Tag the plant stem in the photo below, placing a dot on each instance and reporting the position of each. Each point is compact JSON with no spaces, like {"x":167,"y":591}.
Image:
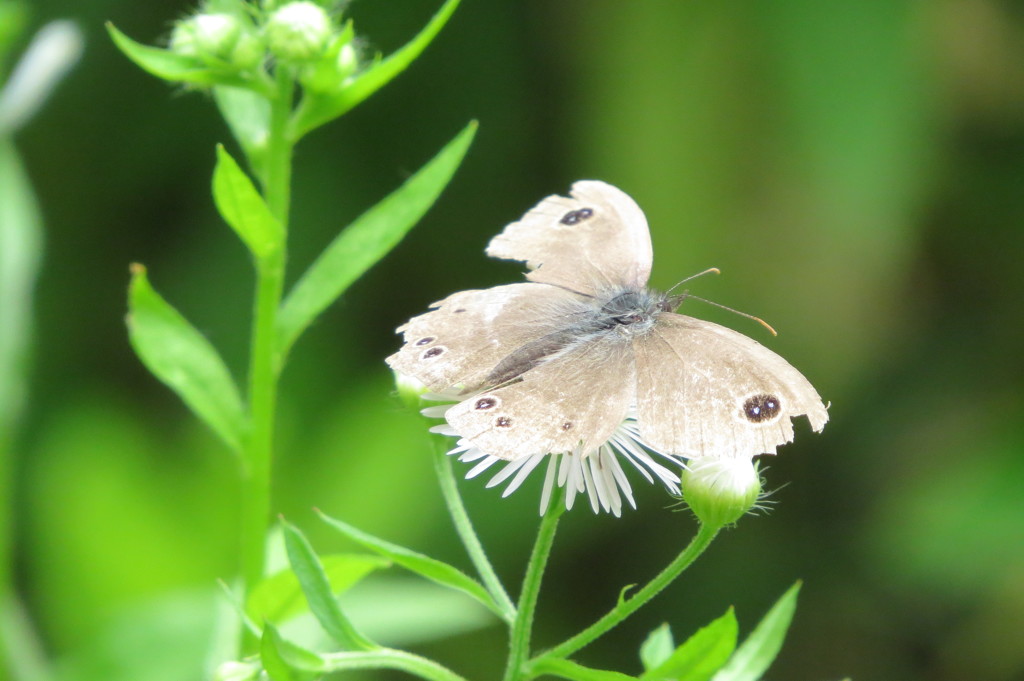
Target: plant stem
{"x":464,"y":528}
{"x":519,"y":646}
{"x":387,"y":658}
{"x":628,"y":606}
{"x":264,"y":363}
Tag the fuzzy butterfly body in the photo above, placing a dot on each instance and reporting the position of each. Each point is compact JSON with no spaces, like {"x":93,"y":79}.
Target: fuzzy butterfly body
{"x":556,"y":364}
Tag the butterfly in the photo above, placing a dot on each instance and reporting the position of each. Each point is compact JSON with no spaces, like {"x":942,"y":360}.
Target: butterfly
{"x":555,"y":364}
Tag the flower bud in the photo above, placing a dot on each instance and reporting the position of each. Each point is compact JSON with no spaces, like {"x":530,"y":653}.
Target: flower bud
{"x":409,"y":389}
{"x":298,"y":31}
{"x":720,"y":491}
{"x":206,"y":36}
{"x":249,"y":51}
{"x":329,"y":74}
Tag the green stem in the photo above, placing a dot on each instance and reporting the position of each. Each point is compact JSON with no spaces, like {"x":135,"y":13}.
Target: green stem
{"x":519,"y":646}
{"x":628,"y":606}
{"x":264,"y":363}
{"x":464,"y":528}
{"x":387,"y":658}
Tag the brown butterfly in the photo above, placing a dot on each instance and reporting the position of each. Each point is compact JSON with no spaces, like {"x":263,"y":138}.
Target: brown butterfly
{"x":557,"y":364}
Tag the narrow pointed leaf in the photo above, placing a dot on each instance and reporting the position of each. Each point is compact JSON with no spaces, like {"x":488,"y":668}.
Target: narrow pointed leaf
{"x":178,"y":68}
{"x":657,"y":647}
{"x":752,"y":659}
{"x":317,"y":109}
{"x":431,"y":568}
{"x":181,"y":357}
{"x":21,"y":243}
{"x":701,"y":655}
{"x":317,"y":589}
{"x":567,"y":669}
{"x":280,"y":597}
{"x":242,"y":207}
{"x":285,"y":661}
{"x":367,"y":240}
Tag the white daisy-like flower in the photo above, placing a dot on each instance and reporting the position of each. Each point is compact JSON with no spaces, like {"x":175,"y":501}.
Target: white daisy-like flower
{"x":597,"y":472}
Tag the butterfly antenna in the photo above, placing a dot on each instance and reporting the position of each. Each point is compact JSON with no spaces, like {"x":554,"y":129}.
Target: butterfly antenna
{"x":710,"y":270}
{"x":742,"y":314}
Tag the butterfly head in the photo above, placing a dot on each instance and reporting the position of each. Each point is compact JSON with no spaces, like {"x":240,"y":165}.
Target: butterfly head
{"x":634,"y":311}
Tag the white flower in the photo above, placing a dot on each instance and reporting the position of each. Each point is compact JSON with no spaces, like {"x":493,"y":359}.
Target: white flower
{"x":598,"y":471}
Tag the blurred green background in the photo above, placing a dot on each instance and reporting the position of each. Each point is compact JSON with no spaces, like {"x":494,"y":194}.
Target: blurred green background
{"x":855,"y":169}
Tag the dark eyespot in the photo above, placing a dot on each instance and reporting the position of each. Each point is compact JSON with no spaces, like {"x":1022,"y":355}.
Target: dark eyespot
{"x":503,"y":422}
{"x":433,"y":352}
{"x":567,"y":425}
{"x":760,"y":408}
{"x":426,"y":340}
{"x":485,"y":403}
{"x":576,"y":216}
{"x":461,"y":309}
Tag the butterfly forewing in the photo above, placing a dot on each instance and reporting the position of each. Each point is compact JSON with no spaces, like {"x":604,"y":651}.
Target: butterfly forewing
{"x":705,"y":390}
{"x":470,"y":333}
{"x":596,"y":240}
{"x":573,"y":401}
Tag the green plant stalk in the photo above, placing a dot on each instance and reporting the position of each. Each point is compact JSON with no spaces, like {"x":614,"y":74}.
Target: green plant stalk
{"x":519,"y":645}
{"x":387,"y":658}
{"x":265,"y":361}
{"x":464,"y":528}
{"x":626,"y":607}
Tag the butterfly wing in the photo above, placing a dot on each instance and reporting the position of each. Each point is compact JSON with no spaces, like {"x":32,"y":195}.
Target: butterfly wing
{"x":469,"y":334}
{"x":705,"y":390}
{"x":595,"y":240}
{"x":574,"y":400}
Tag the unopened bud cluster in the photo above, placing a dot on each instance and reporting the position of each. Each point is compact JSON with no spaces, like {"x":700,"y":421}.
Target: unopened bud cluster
{"x":300,"y":34}
{"x":218,"y":39}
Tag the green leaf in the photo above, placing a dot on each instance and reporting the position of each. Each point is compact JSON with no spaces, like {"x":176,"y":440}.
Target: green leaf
{"x":317,"y":109}
{"x":179,"y":68}
{"x":432,"y":569}
{"x":279,"y":597}
{"x":179,"y":356}
{"x":242,"y":207}
{"x":752,"y":659}
{"x":701,"y":655}
{"x":367,"y":240}
{"x":248,"y":115}
{"x":13,"y":19}
{"x":285,"y":661}
{"x":567,"y":669}
{"x":21,"y":237}
{"x":317,"y":588}
{"x":657,"y":647}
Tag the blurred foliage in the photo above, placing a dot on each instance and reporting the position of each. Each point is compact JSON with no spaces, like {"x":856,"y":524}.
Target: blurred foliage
{"x":856,"y":171}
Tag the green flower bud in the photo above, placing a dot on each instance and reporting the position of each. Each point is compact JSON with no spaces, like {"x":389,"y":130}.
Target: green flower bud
{"x":409,"y":389}
{"x":207,"y":36}
{"x":298,"y":31}
{"x":720,"y":491}
{"x":249,"y":51}
{"x":328,"y":74}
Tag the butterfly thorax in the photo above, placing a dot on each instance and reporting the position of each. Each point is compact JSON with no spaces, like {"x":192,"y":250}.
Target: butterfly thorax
{"x":634,"y":311}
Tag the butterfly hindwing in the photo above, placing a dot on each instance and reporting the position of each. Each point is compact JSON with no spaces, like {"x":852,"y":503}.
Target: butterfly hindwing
{"x":573,"y":401}
{"x":705,"y":390}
